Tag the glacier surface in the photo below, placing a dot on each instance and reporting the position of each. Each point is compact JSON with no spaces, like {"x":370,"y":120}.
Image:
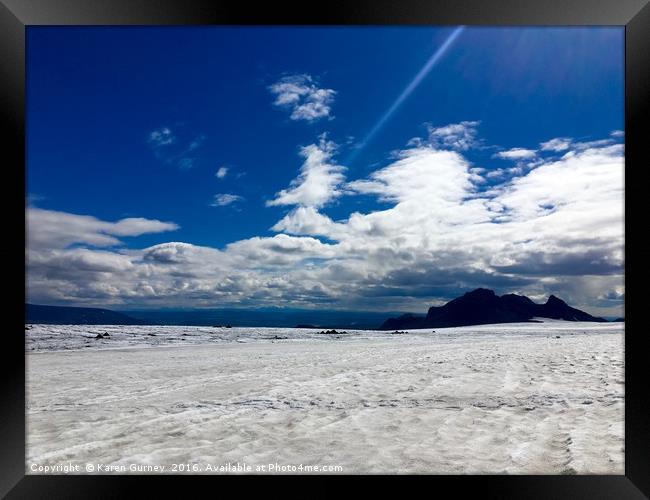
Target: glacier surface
{"x":528,"y":398}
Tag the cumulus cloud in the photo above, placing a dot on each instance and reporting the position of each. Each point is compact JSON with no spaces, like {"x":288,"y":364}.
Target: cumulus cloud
{"x":420,"y":173}
{"x":221,"y":172}
{"x":225,"y":199}
{"x":79,"y":257}
{"x":307,"y":220}
{"x":319,"y":179}
{"x":279,"y":249}
{"x":300,"y":95}
{"x":565,"y":212}
{"x":447,"y":228}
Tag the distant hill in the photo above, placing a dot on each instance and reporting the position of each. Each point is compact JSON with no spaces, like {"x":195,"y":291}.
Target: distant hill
{"x":264,"y":317}
{"x":271,"y":317}
{"x":483,"y":306}
{"x":61,"y":315}
{"x":474,"y":308}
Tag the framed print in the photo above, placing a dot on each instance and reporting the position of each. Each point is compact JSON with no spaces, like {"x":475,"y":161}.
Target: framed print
{"x":385,"y":239}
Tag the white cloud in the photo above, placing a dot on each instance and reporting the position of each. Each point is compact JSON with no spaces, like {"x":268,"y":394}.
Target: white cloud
{"x":570,"y":146}
{"x":300,"y":95}
{"x":319,"y":179}
{"x":555,"y":229}
{"x":421,"y":173}
{"x":225,"y":199}
{"x":458,"y":136}
{"x":135,"y":226}
{"x":581,"y":146}
{"x":221,"y":172}
{"x":497,"y":172}
{"x":280,"y":249}
{"x":516,"y":154}
{"x":307,"y":220}
{"x":52,"y":229}
{"x":556,"y":145}
{"x":583,"y":181}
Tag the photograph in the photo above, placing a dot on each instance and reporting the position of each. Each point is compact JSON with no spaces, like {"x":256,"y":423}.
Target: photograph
{"x":325,"y":250}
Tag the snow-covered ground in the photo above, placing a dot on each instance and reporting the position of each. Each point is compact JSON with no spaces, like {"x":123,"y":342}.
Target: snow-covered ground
{"x":510,"y":399}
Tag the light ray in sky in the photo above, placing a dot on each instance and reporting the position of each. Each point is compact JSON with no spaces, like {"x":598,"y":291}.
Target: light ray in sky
{"x":426,"y":69}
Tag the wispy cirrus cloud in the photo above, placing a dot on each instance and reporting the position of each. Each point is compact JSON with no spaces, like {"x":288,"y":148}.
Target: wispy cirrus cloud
{"x":225,"y":199}
{"x":168,"y":148}
{"x":301,"y":95}
{"x":33,"y":198}
{"x":161,"y":137}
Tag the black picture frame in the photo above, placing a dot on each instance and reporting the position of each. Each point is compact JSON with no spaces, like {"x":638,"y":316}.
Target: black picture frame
{"x":16,"y":15}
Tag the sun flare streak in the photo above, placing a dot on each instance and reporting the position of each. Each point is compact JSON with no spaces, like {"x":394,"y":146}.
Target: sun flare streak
{"x":422,"y":74}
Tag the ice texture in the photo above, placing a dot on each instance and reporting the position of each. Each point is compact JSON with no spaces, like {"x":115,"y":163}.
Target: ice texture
{"x":528,"y":398}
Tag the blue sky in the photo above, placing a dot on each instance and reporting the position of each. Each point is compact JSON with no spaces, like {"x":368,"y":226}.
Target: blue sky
{"x":135,"y":123}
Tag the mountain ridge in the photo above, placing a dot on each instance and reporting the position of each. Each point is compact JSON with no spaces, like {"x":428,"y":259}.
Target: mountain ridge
{"x":482,"y":306}
{"x":260,"y":317}
{"x":64,"y":315}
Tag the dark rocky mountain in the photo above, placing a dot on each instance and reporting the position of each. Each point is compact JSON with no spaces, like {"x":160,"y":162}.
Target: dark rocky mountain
{"x":61,"y":315}
{"x":483,"y":307}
